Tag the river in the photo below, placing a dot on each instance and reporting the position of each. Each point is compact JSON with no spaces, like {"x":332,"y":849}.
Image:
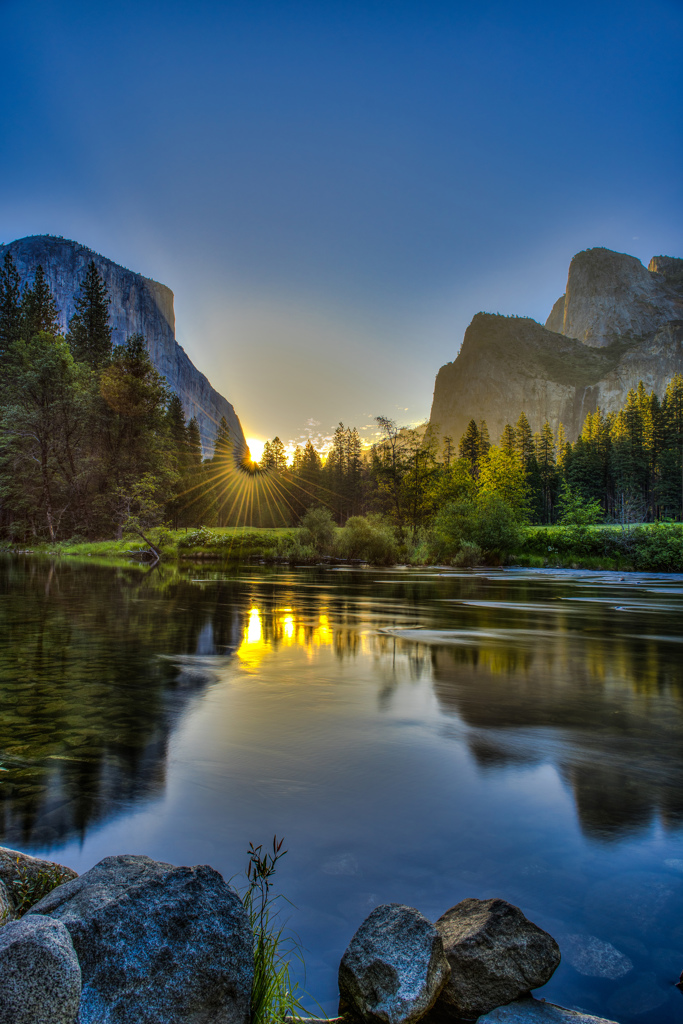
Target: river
{"x":417,"y":736}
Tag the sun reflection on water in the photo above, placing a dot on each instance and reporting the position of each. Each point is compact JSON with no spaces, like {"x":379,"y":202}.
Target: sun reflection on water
{"x":265,"y":631}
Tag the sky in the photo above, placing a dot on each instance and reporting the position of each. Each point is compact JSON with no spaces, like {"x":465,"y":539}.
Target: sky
{"x":333,"y":190}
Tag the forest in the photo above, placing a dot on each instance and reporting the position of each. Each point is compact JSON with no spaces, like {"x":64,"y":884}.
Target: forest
{"x":93,"y":444}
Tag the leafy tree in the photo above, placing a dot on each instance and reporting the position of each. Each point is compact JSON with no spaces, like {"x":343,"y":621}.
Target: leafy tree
{"x":577,"y":510}
{"x":44,"y":435}
{"x":10,"y":304}
{"x":38,"y":308}
{"x":89,"y":333}
{"x":503,"y":474}
{"x":318,"y":529}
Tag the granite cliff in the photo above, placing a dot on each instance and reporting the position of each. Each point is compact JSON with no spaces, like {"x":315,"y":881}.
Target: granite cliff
{"x":616,"y":324}
{"x":138,"y":304}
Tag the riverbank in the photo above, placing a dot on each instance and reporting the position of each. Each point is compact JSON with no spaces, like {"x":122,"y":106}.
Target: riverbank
{"x":656,"y":547}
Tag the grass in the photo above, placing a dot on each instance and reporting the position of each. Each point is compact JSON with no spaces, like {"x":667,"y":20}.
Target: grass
{"x":29,"y":887}
{"x":649,"y":547}
{"x":273,"y":994}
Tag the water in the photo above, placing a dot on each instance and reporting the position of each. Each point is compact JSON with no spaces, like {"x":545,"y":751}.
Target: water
{"x":416,"y":736}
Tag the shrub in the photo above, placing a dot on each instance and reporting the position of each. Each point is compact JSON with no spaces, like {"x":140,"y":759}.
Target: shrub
{"x":30,"y":886}
{"x":369,"y":538}
{"x":469,"y":554}
{"x":318,"y":530}
{"x":658,"y":548}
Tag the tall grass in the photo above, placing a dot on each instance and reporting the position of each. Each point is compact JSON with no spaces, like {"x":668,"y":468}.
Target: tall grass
{"x":273,"y":995}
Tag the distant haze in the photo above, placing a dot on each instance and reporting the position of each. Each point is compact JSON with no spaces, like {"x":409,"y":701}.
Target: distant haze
{"x":332,"y":191}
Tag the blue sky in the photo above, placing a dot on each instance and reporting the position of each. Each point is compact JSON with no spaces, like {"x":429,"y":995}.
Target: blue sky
{"x":332,"y":190}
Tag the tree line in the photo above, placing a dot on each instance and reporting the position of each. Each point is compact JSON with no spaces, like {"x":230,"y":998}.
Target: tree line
{"x":625,"y":467}
{"x":93,"y":443}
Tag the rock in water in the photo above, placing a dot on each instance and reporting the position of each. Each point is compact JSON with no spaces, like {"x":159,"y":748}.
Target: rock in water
{"x":394,"y":967}
{"x":40,"y":979}
{"x":157,"y":944}
{"x":496,"y":955}
{"x":536,"y":1011}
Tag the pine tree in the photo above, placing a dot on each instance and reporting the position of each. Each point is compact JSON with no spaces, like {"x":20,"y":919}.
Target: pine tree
{"x":89,"y":334}
{"x":508,"y":441}
{"x":468,"y":448}
{"x":562,"y":445}
{"x":10,"y":304}
{"x":448,"y":450}
{"x":484,"y":440}
{"x":38,"y":308}
{"x":524,"y":440}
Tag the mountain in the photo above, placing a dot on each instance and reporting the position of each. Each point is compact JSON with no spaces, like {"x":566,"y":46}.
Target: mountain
{"x":616,"y":324}
{"x":138,"y":305}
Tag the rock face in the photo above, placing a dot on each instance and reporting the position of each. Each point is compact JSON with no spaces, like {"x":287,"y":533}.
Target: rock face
{"x":394,"y":967}
{"x":496,"y":955}
{"x":40,"y":978}
{"x":617,"y":324}
{"x":157,"y":944}
{"x":32,"y":873}
{"x":611,"y":295}
{"x":138,"y":305}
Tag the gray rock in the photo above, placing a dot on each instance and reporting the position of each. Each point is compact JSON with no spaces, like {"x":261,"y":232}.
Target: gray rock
{"x":536,"y":1011}
{"x":157,"y":944}
{"x":6,"y":905}
{"x":496,"y":955}
{"x":394,"y":967}
{"x":595,"y":958}
{"x":40,"y":979}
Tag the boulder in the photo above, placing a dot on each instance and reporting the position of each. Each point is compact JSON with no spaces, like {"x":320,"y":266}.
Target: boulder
{"x":394,"y":967}
{"x":496,"y":955}
{"x":40,"y":979}
{"x":25,"y":880}
{"x":157,"y":944}
{"x":537,"y":1011}
{"x":6,"y":905}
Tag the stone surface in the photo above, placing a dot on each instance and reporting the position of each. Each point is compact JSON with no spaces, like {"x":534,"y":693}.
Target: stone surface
{"x":16,"y":866}
{"x":138,"y":304}
{"x":536,"y":1011}
{"x":157,"y":944}
{"x":600,"y":339}
{"x":594,"y":958}
{"x":6,"y":905}
{"x":394,"y":967}
{"x":611,"y":295}
{"x":40,"y":978}
{"x":496,"y":955}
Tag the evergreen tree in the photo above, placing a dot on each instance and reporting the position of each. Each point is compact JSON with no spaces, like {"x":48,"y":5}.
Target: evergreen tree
{"x":468,"y":448}
{"x":38,"y":308}
{"x":508,"y":440}
{"x":524,"y":440}
{"x":562,"y":445}
{"x":89,"y":334}
{"x":10,"y":304}
{"x":448,"y":450}
{"x":484,"y":440}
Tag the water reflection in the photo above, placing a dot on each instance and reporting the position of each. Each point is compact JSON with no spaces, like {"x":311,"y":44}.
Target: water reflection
{"x":424,"y":736}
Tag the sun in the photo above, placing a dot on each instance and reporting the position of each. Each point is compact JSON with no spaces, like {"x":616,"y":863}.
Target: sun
{"x":256,"y":447}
